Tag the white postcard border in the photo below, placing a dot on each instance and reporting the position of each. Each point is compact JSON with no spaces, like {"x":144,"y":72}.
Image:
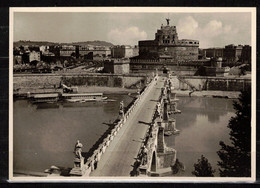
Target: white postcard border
{"x":12,"y":10}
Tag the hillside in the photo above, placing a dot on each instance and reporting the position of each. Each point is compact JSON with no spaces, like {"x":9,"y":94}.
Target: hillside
{"x":46,"y":43}
{"x":94,"y":43}
{"x":33,"y":43}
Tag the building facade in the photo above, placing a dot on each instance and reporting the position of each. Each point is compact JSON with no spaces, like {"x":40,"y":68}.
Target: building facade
{"x":117,"y":66}
{"x":17,"y":59}
{"x":67,"y":50}
{"x":34,"y":56}
{"x":216,"y":68}
{"x":246,"y":54}
{"x":93,"y":52}
{"x":232,"y":53}
{"x":124,"y":51}
{"x":213,"y":52}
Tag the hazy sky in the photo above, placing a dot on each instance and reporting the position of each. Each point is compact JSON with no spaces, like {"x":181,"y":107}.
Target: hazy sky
{"x":211,"y":29}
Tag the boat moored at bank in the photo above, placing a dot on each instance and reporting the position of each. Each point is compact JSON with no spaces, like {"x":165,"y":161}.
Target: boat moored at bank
{"x":82,"y":97}
{"x":45,"y":98}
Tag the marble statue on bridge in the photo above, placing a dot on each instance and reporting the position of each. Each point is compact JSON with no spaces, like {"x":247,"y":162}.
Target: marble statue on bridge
{"x":78,"y":169}
{"x":121,"y":108}
{"x":145,"y":153}
{"x":78,"y":150}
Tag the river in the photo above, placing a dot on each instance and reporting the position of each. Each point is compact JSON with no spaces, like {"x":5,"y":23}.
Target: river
{"x":202,"y":124}
{"x":45,"y":134}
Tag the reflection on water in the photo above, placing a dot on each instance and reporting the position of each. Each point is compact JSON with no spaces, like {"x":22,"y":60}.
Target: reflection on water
{"x":203,"y":123}
{"x":45,"y":134}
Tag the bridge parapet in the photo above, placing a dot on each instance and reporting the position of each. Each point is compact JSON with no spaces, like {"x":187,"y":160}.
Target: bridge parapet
{"x":156,"y":159}
{"x":154,"y":155}
{"x":92,"y":161}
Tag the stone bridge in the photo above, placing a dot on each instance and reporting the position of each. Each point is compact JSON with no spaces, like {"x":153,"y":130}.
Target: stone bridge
{"x":156,"y":159}
{"x":136,"y":146}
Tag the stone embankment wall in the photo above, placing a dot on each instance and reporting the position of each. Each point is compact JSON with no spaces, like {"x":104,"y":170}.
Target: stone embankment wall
{"x":211,"y":83}
{"x":54,"y":80}
{"x":150,"y":67}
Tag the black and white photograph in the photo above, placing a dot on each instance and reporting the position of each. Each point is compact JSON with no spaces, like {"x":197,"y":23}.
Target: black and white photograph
{"x":132,"y":94}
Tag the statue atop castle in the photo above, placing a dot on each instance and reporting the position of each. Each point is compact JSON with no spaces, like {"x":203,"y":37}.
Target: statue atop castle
{"x":168,"y":21}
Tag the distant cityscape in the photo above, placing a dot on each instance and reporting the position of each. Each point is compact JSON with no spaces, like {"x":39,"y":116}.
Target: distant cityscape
{"x":98,"y":56}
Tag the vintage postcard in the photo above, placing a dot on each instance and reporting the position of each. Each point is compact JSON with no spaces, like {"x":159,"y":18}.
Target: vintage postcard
{"x":131,"y":94}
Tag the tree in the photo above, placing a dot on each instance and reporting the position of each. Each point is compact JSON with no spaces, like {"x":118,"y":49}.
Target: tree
{"x":236,"y":158}
{"x":177,"y":167}
{"x":203,"y":168}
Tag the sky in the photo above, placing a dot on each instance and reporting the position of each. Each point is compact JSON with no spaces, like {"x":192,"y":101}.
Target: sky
{"x":211,"y":29}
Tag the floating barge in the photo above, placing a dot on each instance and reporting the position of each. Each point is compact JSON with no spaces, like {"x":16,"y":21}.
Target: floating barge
{"x":45,"y":98}
{"x":69,"y":97}
{"x":82,"y":97}
{"x":69,"y":94}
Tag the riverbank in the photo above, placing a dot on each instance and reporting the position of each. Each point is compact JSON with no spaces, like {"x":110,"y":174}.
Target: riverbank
{"x":90,"y":89}
{"x":117,"y":90}
{"x":217,"y":94}
{"x":106,"y":90}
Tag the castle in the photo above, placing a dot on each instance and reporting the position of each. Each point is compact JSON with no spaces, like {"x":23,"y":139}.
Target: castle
{"x":167,"y":47}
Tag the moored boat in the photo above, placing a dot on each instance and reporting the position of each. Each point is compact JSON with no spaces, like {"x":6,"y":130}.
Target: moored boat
{"x":83,"y":97}
{"x":45,"y":98}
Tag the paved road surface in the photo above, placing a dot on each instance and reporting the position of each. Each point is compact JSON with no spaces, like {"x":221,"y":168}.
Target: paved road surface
{"x":123,"y":150}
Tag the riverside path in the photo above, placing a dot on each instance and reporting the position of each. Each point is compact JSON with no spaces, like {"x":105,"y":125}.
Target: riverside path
{"x":120,"y":155}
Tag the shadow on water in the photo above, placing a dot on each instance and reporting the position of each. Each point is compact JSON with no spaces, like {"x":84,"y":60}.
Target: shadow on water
{"x":80,"y":105}
{"x":46,"y":105}
{"x":65,"y":105}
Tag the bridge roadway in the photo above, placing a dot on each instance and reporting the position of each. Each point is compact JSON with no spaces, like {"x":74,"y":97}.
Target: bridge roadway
{"x":121,"y":153}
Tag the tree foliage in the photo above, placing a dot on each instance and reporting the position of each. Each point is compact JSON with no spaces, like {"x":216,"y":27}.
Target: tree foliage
{"x":178,"y":167}
{"x":236,"y":158}
{"x":203,"y":168}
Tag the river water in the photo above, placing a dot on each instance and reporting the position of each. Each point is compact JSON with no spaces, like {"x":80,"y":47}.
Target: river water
{"x":202,"y":124}
{"x":45,"y":134}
